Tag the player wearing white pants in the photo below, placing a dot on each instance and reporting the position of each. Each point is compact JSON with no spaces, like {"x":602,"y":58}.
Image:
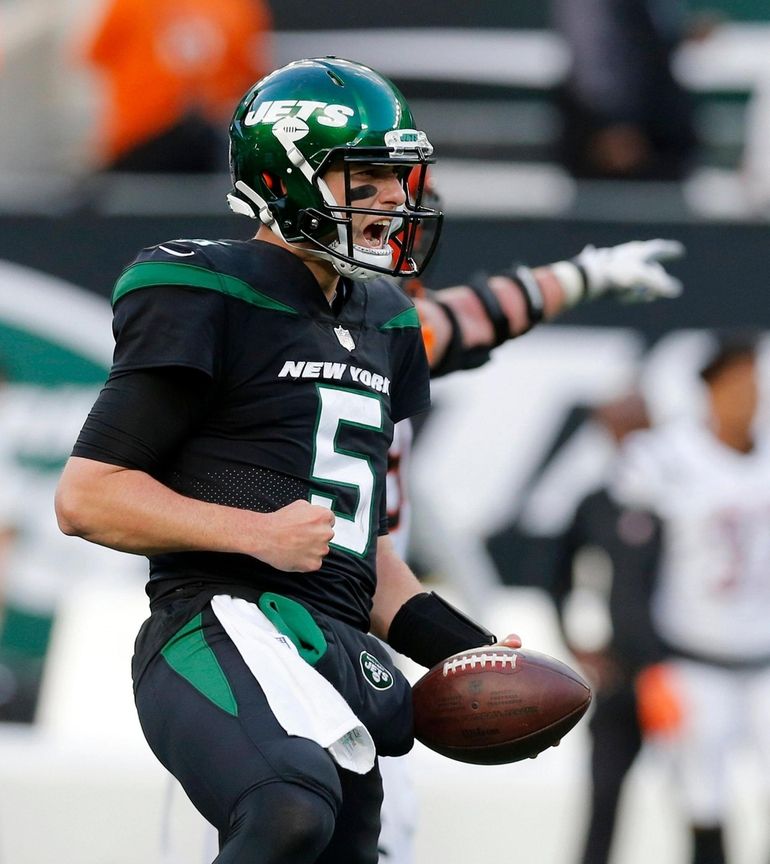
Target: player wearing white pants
{"x":709,"y":482}
{"x":460,"y":326}
{"x":722,"y":706}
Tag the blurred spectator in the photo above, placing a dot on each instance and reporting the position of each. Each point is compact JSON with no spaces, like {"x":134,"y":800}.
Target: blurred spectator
{"x":38,"y":565}
{"x":708,"y":480}
{"x":172,"y":70}
{"x":624,"y":114}
{"x":23,"y":634}
{"x":609,"y":554}
{"x":19,"y":672}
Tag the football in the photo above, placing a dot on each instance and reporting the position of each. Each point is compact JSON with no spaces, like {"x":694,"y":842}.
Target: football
{"x":495,"y":705}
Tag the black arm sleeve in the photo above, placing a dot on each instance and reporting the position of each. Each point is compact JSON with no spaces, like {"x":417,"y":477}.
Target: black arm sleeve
{"x":427,"y":629}
{"x":141,"y":416}
{"x":457,"y":356}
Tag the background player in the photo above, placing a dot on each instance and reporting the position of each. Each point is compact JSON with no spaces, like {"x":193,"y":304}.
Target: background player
{"x":461,"y":325}
{"x":628,"y":542}
{"x":707,"y":479}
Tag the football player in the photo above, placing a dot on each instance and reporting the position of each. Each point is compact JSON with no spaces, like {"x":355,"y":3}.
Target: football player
{"x":707,"y":479}
{"x":461,"y":326}
{"x":628,"y":542}
{"x":240,"y":443}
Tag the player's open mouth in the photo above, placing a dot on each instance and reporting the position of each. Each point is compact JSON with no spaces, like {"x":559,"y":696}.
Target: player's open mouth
{"x":376,"y":234}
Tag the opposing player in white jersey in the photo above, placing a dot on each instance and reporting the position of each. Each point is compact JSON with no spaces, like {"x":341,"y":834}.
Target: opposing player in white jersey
{"x":461,"y":325}
{"x":709,"y":481}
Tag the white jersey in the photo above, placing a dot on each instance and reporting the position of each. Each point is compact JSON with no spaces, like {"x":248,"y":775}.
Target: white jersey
{"x":713,"y":598}
{"x":397,"y":494}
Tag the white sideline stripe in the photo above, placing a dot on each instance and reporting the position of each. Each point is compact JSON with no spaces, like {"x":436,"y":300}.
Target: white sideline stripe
{"x":482,"y":188}
{"x":735,"y":56}
{"x":58,"y":310}
{"x":536,"y":58}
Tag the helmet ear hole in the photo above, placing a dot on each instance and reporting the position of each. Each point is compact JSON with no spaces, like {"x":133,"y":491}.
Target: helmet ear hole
{"x":274,"y":184}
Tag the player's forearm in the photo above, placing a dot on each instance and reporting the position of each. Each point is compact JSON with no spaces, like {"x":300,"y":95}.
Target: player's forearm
{"x":395,"y":585}
{"x":476,"y":328}
{"x":132,"y":512}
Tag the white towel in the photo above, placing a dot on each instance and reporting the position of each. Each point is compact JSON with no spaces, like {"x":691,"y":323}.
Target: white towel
{"x":302,"y":700}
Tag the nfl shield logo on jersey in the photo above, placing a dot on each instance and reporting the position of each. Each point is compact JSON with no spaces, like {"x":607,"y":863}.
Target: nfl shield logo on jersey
{"x":344,"y":337}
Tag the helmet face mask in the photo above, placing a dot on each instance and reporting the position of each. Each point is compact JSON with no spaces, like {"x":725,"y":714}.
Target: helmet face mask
{"x":313,"y":117}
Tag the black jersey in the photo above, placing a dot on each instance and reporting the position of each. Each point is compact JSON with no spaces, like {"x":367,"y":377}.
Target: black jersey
{"x":305,"y":398}
{"x":632,"y":542}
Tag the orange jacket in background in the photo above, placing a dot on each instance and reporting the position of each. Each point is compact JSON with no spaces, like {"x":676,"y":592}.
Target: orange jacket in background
{"x":162,"y":58}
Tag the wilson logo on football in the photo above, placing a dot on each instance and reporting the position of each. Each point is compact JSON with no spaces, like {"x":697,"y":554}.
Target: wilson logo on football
{"x":374,"y":672}
{"x":478,"y":661}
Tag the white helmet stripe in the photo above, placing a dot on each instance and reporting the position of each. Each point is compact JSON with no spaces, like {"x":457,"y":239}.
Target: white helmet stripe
{"x":289,"y":132}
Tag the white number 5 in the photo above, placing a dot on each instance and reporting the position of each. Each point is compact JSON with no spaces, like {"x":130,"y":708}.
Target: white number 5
{"x":332,"y":464}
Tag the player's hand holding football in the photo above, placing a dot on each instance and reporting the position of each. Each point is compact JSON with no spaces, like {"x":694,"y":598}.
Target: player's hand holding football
{"x":511,"y":641}
{"x":631,"y":270}
{"x":296,"y":537}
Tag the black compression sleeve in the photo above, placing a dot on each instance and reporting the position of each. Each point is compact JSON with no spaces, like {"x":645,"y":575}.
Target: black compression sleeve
{"x":457,"y":356}
{"x":526,"y":281}
{"x":140,"y":416}
{"x":427,"y":629}
{"x":479,"y":284}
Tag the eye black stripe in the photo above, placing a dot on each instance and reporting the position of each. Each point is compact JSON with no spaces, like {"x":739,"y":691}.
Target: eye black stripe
{"x":361,"y":192}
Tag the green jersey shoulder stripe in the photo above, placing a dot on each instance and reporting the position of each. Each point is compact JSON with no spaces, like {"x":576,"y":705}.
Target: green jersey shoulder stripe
{"x":148,"y":273}
{"x":407,"y":318}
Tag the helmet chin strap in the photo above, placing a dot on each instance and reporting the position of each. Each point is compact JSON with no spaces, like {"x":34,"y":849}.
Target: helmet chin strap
{"x":375,"y":257}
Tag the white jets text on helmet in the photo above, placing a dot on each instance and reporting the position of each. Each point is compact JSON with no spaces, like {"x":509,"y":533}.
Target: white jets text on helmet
{"x":326,"y":114}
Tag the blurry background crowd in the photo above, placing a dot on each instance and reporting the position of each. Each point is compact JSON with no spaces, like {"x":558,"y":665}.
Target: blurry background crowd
{"x":556,"y":124}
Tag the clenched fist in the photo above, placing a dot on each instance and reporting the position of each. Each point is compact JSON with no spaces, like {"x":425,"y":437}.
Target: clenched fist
{"x":296,"y":537}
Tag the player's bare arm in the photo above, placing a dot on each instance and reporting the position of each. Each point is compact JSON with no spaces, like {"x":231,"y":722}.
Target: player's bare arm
{"x":395,"y":585}
{"x":130,"y":511}
{"x":401,"y":598}
{"x":499,"y":307}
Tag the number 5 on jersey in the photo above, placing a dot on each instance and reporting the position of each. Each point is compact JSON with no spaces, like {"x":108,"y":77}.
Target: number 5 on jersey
{"x":332,"y":464}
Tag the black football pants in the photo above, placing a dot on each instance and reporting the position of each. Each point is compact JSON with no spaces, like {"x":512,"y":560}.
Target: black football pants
{"x":273,"y":798}
{"x":616,"y":742}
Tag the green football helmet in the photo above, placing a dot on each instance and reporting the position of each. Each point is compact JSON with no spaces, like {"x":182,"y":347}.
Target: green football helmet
{"x":313,"y":114}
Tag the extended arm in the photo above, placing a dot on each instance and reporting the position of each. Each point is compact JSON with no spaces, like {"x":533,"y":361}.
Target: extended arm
{"x":466,"y":321}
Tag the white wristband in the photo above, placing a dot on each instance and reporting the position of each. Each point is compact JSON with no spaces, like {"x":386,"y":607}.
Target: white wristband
{"x":571,"y":281}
